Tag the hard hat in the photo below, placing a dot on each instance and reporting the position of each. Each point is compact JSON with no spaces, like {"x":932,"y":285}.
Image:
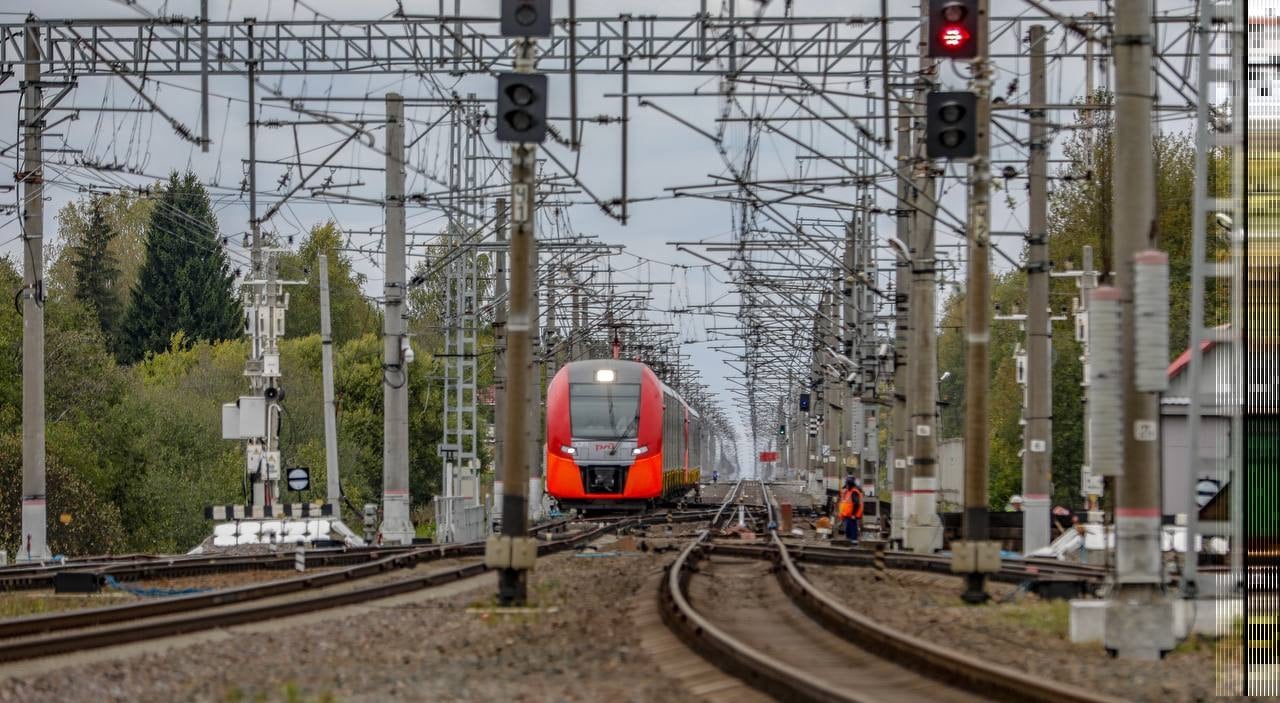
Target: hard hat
{"x":1016,"y":499}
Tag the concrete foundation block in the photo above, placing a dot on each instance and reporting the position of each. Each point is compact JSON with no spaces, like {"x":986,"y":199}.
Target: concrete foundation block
{"x":1211,"y":617}
{"x":1140,"y":627}
{"x":924,"y":539}
{"x":1088,"y":621}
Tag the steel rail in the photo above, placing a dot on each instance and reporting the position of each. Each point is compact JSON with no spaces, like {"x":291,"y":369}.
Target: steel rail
{"x":939,"y":663}
{"x":785,"y":682}
{"x":739,"y":659}
{"x":196,"y":619}
{"x":400,"y":558}
{"x":139,"y":566}
{"x":1011,"y":572}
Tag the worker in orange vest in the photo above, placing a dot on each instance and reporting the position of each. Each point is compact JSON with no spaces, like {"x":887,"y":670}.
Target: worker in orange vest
{"x":851,"y":508}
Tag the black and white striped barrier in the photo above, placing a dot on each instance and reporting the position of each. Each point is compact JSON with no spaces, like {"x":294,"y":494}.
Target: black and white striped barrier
{"x":223,"y":513}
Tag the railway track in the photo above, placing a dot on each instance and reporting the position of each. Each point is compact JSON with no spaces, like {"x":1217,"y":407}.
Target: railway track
{"x":785,"y":637}
{"x":1011,"y":571}
{"x":77,"y":630}
{"x":141,"y":567}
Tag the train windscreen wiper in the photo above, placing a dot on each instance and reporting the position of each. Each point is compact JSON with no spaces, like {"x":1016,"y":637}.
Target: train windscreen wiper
{"x":625,"y":433}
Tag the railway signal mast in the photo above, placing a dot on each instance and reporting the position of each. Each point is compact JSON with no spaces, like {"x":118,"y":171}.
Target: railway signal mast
{"x":958,"y":126}
{"x":522,"y":119}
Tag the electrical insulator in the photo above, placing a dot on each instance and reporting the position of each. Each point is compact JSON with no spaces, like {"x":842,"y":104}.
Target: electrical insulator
{"x":1020,"y":366}
{"x":1106,"y":393}
{"x":1151,"y":321}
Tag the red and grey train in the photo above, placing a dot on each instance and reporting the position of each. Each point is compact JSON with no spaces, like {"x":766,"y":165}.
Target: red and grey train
{"x":618,"y":437}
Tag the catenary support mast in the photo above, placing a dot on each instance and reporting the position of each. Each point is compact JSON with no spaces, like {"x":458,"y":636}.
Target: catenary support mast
{"x":396,"y":526}
{"x":31,"y":177}
{"x":1037,"y":464}
{"x":1140,"y":614}
{"x":924,"y":527}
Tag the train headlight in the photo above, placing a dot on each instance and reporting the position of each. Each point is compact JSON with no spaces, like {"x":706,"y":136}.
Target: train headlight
{"x":567,"y":449}
{"x":639,"y":450}
{"x":604,"y":376}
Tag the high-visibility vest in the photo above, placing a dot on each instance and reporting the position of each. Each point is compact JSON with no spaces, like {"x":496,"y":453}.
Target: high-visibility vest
{"x":847,"y":508}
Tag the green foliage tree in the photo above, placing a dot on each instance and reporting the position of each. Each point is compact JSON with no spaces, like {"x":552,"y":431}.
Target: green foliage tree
{"x":135,"y":453}
{"x":185,"y":283}
{"x":10,"y":350}
{"x":94,"y":527}
{"x":1080,"y":207}
{"x":96,"y":272}
{"x":126,"y":215}
{"x":359,"y":392}
{"x":351,"y":313}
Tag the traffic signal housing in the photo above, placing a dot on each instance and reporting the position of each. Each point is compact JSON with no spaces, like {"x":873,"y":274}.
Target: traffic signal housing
{"x":953,"y":29}
{"x":951,"y":125}
{"x":522,"y":108}
{"x":526,"y":18}
{"x":782,"y":430}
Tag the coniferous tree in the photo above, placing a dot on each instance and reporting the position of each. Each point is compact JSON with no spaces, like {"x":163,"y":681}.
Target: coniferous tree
{"x":94,"y":271}
{"x":185,"y":282}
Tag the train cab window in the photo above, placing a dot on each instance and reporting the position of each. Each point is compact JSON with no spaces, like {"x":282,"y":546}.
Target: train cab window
{"x":604,"y":410}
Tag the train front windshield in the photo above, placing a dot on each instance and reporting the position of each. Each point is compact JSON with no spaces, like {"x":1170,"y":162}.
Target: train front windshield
{"x":604,"y":410}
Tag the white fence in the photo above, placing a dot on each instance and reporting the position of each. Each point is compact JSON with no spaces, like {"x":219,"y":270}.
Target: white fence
{"x":459,"y":520}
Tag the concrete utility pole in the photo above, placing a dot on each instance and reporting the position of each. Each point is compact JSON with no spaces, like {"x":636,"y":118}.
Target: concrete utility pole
{"x":1140,"y":614}
{"x":396,"y":525}
{"x":499,"y":351}
{"x":813,"y":387}
{"x":513,"y":578}
{"x":867,"y":413}
{"x":978,"y":324}
{"x":253,"y":367}
{"x":924,"y":527}
{"x":901,"y":326}
{"x":552,"y":347}
{"x":533,"y":400}
{"x":835,"y":389}
{"x":204,"y":76}
{"x":333,"y":491}
{"x":849,"y":335}
{"x":577,"y":348}
{"x":1037,"y":446}
{"x":34,"y":523}
{"x":830,"y":451}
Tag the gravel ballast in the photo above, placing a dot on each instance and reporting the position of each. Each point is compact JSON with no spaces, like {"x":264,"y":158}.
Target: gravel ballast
{"x":1029,"y":634}
{"x":578,"y":643}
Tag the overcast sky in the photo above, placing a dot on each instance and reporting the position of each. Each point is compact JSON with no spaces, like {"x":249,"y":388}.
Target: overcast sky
{"x":663,"y":152}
